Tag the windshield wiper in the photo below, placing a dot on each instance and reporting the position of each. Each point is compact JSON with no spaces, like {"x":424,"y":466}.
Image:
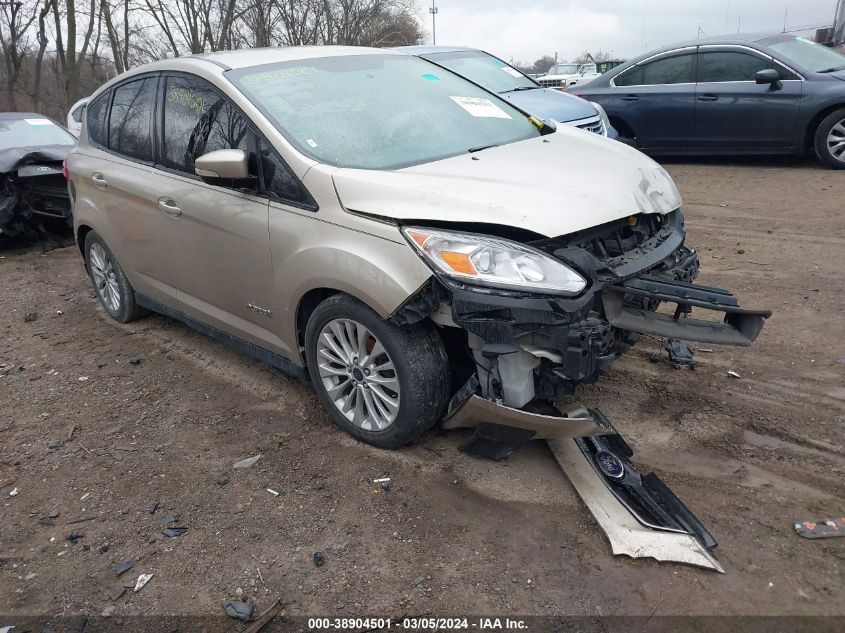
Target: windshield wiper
{"x":521,"y":88}
{"x":472,"y":150}
{"x":832,"y":70}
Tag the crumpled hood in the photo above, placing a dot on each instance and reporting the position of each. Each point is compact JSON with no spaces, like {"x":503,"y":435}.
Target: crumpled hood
{"x":15,"y":157}
{"x":546,"y":104}
{"x":552,"y":185}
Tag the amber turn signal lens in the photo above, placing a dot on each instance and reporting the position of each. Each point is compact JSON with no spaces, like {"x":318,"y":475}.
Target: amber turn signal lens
{"x":459,"y":262}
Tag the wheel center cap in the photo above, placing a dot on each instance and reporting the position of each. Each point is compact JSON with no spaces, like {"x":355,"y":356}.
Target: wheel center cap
{"x":357,"y":374}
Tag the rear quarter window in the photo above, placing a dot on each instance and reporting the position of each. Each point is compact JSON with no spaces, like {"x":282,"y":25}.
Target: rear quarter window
{"x":96,"y":117}
{"x":131,"y":117}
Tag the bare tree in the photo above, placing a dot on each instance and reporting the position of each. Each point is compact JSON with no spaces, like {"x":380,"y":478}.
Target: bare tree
{"x":15,"y":21}
{"x":69,"y":52}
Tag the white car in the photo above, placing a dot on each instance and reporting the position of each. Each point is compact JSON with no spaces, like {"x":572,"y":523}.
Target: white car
{"x":563,"y":76}
{"x":74,"y":117}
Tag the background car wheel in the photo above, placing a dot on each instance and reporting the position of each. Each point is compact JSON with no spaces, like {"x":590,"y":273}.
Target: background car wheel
{"x":830,"y":139}
{"x":382,"y":383}
{"x":110,"y":284}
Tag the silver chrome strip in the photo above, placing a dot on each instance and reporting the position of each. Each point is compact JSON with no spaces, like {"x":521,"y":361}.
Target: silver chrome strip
{"x":698,"y":48}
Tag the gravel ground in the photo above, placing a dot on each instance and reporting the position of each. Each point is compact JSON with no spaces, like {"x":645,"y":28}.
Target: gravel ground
{"x":100,"y":420}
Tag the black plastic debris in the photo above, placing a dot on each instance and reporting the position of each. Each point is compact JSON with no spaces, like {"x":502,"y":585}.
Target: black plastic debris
{"x":170,"y":518}
{"x":222,"y":479}
{"x":29,"y":317}
{"x":680,"y":353}
{"x":237,"y":609}
{"x":73,"y":537}
{"x":173,"y":532}
{"x":319,"y":559}
{"x":124,"y":564}
{"x":103,"y":548}
{"x":495,"y":441}
{"x":153,"y":507}
{"x":135,"y":360}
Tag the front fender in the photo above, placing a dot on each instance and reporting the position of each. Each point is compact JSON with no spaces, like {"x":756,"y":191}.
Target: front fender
{"x":310,"y":254}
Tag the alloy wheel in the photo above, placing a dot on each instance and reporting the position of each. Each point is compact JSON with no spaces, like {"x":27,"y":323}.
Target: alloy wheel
{"x":836,"y":141}
{"x":105,"y":281}
{"x":358,"y":374}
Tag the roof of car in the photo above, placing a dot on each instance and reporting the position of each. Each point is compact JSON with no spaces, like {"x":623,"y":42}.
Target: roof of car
{"x":426,"y":49}
{"x":259,"y":56}
{"x":735,"y":39}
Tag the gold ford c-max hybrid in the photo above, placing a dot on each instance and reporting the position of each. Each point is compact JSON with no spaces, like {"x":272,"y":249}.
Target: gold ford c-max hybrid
{"x":414,"y":244}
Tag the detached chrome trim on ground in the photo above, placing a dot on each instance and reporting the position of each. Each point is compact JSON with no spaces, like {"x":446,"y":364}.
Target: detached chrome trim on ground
{"x":626,"y":534}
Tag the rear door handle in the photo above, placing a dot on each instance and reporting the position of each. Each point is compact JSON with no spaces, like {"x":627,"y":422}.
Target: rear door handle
{"x":630,"y":98}
{"x":169,"y":207}
{"x":99,"y":180}
{"x":708,"y":97}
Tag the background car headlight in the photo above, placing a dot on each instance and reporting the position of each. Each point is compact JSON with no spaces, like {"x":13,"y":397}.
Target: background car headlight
{"x":603,"y":115}
{"x":494,"y":262}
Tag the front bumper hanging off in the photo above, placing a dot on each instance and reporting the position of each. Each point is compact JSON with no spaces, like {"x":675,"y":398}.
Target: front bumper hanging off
{"x":641,"y":516}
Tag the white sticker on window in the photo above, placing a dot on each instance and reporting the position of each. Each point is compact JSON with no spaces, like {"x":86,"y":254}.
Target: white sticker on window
{"x":311,"y":142}
{"x":39,"y":121}
{"x":479,"y":107}
{"x":512,"y":71}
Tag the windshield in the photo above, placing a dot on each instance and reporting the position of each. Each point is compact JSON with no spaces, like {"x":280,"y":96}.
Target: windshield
{"x":32,"y":132}
{"x":379,"y":111}
{"x":484,"y":69}
{"x":563,"y":69}
{"x":814,"y":57}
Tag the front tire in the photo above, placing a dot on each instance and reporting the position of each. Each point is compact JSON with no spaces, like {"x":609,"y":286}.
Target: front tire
{"x":830,"y":139}
{"x":381,"y":383}
{"x":111,"y":286}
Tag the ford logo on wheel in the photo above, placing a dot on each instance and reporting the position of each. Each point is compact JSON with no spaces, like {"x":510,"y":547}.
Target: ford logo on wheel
{"x":610,"y":465}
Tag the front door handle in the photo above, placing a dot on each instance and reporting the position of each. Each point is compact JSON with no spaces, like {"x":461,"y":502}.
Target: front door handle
{"x":99,"y":181}
{"x":708,"y":97}
{"x":169,"y":207}
{"x":630,"y":98}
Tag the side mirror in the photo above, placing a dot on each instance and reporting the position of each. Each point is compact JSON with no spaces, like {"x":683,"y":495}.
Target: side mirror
{"x":228,"y":164}
{"x":768,"y":76}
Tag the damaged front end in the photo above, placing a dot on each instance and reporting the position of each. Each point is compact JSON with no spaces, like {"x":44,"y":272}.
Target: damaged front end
{"x":526,"y":350}
{"x":529,"y":345}
{"x":34,"y":198}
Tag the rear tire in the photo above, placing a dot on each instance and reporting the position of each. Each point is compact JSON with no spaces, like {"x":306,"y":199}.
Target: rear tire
{"x":829,"y":140}
{"x":405,"y":389}
{"x":111,"y":286}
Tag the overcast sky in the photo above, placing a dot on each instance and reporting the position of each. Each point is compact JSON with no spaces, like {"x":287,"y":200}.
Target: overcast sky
{"x":527,"y":29}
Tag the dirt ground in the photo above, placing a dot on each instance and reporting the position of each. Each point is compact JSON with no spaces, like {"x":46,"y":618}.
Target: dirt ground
{"x":453,"y":535}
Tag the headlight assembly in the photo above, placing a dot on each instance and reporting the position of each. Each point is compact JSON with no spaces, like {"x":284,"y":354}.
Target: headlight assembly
{"x":490,"y":261}
{"x":604,"y":119}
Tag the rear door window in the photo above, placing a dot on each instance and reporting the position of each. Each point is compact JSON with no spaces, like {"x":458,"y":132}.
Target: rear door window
{"x":722,"y":66}
{"x":677,"y":69}
{"x":131,"y":119}
{"x":198,"y":119}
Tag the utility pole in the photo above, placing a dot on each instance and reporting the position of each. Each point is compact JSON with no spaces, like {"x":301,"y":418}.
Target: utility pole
{"x":785,"y":15}
{"x":645,"y":13}
{"x":433,"y":11}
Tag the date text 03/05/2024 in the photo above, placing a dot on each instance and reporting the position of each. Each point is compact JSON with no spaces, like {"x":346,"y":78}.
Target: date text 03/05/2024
{"x":417,"y":624}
